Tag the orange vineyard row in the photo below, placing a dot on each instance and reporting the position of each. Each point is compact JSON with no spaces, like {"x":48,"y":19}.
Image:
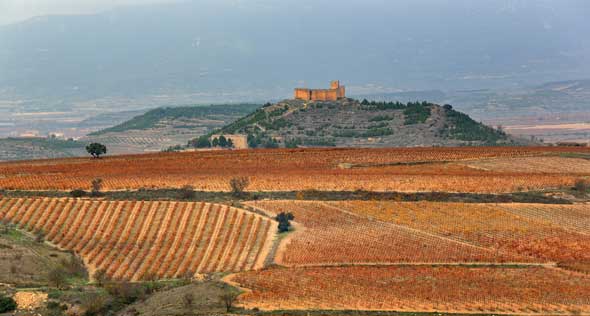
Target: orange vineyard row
{"x":434,"y":232}
{"x":532,"y":290}
{"x":295,"y":169}
{"x":327,"y":235}
{"x":507,"y":228}
{"x":134,"y":240}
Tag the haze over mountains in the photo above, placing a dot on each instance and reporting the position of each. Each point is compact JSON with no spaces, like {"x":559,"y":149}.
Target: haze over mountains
{"x":256,"y":50}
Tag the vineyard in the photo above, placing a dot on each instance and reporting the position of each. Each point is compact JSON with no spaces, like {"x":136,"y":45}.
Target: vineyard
{"x":477,"y":232}
{"x":532,"y":290}
{"x":534,"y":165}
{"x":331,"y":236}
{"x":136,"y":240}
{"x":492,"y":226}
{"x":391,"y":169}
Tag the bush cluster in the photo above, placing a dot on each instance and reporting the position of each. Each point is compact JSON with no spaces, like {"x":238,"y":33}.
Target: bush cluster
{"x":7,"y":304}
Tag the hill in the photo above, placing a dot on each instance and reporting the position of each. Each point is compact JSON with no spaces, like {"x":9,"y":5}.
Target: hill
{"x":179,"y":117}
{"x":350,"y":123}
{"x":21,"y":148}
{"x":161,"y":128}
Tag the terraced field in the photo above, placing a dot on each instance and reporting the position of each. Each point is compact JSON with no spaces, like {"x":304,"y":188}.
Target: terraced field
{"x":136,"y":240}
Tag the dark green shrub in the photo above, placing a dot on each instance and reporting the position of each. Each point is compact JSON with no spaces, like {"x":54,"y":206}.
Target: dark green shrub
{"x":78,"y":193}
{"x":416,"y":113}
{"x":582,"y":186}
{"x":187,"y":192}
{"x":7,"y":304}
{"x":126,"y":292}
{"x":284,"y":220}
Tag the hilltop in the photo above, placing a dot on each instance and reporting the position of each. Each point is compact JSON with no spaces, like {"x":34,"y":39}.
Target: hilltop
{"x":350,"y":123}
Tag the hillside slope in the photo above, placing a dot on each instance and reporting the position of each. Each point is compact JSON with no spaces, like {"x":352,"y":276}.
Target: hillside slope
{"x":350,"y":123}
{"x":161,"y":128}
{"x":23,"y":148}
{"x":144,"y":238}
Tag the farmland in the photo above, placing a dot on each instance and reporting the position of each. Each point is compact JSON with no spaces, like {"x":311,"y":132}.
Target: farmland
{"x":426,"y":256}
{"x":146,"y":240}
{"x":397,"y":169}
{"x":442,"y":289}
{"x":419,"y":231}
{"x":506,"y":228}
{"x":463,"y":237}
{"x":329,"y":236}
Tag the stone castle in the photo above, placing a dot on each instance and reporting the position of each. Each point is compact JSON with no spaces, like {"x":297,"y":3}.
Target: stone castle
{"x":335,"y":92}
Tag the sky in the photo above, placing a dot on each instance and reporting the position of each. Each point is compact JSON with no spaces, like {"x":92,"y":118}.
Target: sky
{"x":12,"y":11}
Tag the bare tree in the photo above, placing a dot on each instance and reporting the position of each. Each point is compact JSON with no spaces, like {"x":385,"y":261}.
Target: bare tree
{"x":100,"y":276}
{"x":39,"y":236}
{"x":238,"y":185}
{"x":57,"y":277}
{"x":96,"y":187}
{"x":94,"y":303}
{"x":188,"y":300}
{"x":228,"y":299}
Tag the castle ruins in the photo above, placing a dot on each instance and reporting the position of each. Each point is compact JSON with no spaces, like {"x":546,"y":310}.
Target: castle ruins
{"x":335,"y":92}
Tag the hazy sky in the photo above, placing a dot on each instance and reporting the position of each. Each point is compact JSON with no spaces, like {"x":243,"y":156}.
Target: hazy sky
{"x":18,"y":10}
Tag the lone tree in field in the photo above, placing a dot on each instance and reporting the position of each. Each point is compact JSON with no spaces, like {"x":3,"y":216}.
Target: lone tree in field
{"x":228,"y":299}
{"x":96,"y":149}
{"x":96,"y":187}
{"x":284,"y":220}
{"x":582,"y":186}
{"x":57,"y":277}
{"x":100,"y":277}
{"x":238,"y":185}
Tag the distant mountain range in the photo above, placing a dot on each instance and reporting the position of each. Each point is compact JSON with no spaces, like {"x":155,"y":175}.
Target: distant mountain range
{"x":549,"y":99}
{"x":258,"y":50}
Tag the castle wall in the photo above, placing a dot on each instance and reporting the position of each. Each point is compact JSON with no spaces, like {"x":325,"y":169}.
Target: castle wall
{"x":324,"y":95}
{"x":336,"y":92}
{"x":303,"y":94}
